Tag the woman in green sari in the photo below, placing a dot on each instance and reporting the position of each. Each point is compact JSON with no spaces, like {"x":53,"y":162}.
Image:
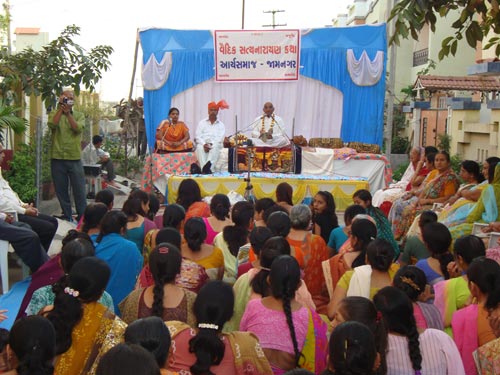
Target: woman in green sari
{"x":459,"y":205}
{"x":486,"y":208}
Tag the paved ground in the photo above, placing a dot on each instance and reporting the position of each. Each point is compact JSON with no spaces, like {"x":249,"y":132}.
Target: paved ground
{"x":52,"y":207}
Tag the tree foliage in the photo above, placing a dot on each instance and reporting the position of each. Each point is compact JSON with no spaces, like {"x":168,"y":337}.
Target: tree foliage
{"x":476,"y":20}
{"x":60,"y":64}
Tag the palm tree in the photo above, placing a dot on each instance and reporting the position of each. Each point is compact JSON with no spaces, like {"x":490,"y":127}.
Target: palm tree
{"x":9,"y":120}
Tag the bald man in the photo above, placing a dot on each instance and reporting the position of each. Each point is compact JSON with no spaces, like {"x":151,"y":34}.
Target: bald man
{"x":269,"y":129}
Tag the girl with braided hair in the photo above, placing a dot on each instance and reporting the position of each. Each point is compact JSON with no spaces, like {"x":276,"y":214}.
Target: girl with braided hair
{"x":409,"y":352}
{"x":163,"y":299}
{"x":205,"y":350}
{"x":283,"y":325}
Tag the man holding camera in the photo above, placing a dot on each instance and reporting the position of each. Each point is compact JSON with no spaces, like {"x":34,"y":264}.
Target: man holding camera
{"x":66,"y":126}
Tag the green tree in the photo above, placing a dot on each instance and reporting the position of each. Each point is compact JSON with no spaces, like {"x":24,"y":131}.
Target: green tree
{"x":476,"y":20}
{"x":8,"y":119}
{"x":62,"y":63}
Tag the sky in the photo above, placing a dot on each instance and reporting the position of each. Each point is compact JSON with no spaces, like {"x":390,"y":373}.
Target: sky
{"x":114,"y":23}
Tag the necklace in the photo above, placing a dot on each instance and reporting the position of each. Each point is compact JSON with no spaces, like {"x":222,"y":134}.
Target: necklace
{"x":263,"y":128}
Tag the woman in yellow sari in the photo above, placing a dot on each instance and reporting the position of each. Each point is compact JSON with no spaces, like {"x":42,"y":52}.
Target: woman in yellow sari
{"x":172,"y":135}
{"x":440,"y":185}
{"x":85,"y":329}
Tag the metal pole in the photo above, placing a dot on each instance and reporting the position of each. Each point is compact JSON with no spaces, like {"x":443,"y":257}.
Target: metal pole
{"x":38,"y":156}
{"x":390,"y":98}
{"x":243,"y":15}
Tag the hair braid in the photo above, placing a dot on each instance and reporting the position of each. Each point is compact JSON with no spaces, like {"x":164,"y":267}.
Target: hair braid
{"x":287,"y":308}
{"x":158,"y":294}
{"x":414,"y":346}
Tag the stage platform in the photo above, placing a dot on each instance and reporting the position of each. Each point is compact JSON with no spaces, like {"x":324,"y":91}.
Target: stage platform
{"x":322,"y":169}
{"x":264,"y":185}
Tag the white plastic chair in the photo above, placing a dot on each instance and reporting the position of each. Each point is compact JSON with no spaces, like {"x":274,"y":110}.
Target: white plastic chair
{"x":5,"y":249}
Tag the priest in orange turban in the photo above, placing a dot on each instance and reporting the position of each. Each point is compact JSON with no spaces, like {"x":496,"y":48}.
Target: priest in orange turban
{"x":209,"y":137}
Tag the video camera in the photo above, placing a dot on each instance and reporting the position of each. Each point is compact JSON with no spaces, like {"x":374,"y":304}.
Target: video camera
{"x":67,"y":101}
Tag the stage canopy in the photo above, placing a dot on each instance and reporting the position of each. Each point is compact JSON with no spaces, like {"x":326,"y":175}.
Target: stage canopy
{"x":339,"y":93}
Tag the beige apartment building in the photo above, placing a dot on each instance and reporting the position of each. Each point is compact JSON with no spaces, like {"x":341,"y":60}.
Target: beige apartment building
{"x":460,"y":96}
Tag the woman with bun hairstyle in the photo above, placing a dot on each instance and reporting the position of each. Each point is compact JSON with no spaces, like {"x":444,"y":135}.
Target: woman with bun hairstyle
{"x":219,"y":217}
{"x":32,"y":343}
{"x":85,"y":329}
{"x":164,"y":299}
{"x":204,"y":349}
{"x":196,"y":249}
{"x":366,"y":280}
{"x":411,"y":280}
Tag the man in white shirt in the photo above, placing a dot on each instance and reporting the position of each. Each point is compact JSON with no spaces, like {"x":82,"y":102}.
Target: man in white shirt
{"x":43,"y":225}
{"x":209,"y":137}
{"x":94,"y":154}
{"x":269,"y":129}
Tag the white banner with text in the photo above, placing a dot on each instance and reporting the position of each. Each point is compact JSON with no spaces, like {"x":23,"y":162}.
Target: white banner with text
{"x":256,"y":55}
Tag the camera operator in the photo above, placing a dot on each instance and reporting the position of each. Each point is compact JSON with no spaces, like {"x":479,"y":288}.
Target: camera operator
{"x":66,"y":126}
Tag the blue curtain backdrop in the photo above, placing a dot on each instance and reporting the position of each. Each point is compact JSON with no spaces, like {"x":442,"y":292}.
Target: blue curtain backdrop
{"x":322,"y":56}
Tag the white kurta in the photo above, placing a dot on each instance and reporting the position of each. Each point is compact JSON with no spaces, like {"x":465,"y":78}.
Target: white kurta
{"x":395,"y":190}
{"x":209,"y":133}
{"x":9,"y":200}
{"x":279,"y":133}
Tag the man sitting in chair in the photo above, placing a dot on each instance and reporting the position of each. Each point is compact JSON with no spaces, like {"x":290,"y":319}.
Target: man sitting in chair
{"x":94,"y":154}
{"x":209,"y":137}
{"x":269,"y":129}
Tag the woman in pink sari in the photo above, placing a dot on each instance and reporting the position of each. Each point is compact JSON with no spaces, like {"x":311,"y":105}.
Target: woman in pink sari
{"x":291,"y":335}
{"x":470,"y":324}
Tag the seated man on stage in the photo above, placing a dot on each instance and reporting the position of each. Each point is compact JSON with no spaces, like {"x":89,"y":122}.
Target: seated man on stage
{"x":172,"y":135}
{"x":209,"y":137}
{"x":269,"y":129}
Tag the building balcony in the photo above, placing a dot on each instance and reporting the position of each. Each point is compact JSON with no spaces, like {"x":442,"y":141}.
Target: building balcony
{"x":420,"y":57}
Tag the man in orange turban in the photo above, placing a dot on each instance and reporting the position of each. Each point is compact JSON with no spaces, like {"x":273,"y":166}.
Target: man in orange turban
{"x":210,"y":136}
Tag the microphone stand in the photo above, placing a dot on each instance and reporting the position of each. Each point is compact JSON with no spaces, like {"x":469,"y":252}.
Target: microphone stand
{"x":249,"y":194}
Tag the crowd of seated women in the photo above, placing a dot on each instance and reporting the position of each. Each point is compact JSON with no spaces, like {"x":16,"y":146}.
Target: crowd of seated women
{"x":275,"y":287}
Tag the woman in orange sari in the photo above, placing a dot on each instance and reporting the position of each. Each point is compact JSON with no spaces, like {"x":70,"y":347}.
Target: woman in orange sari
{"x":439,"y":186}
{"x":172,"y":135}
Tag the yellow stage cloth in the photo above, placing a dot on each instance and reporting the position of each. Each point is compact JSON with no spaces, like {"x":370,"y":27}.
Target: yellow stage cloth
{"x":264,"y":187}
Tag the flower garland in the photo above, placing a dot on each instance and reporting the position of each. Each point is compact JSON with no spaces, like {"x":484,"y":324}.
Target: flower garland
{"x":263,"y":128}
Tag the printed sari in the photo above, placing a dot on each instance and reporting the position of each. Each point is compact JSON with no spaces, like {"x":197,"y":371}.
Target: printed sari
{"x":244,"y":357}
{"x":487,"y":358}
{"x":98,"y":331}
{"x":315,"y":349}
{"x":484,"y":211}
{"x":403,"y":213}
